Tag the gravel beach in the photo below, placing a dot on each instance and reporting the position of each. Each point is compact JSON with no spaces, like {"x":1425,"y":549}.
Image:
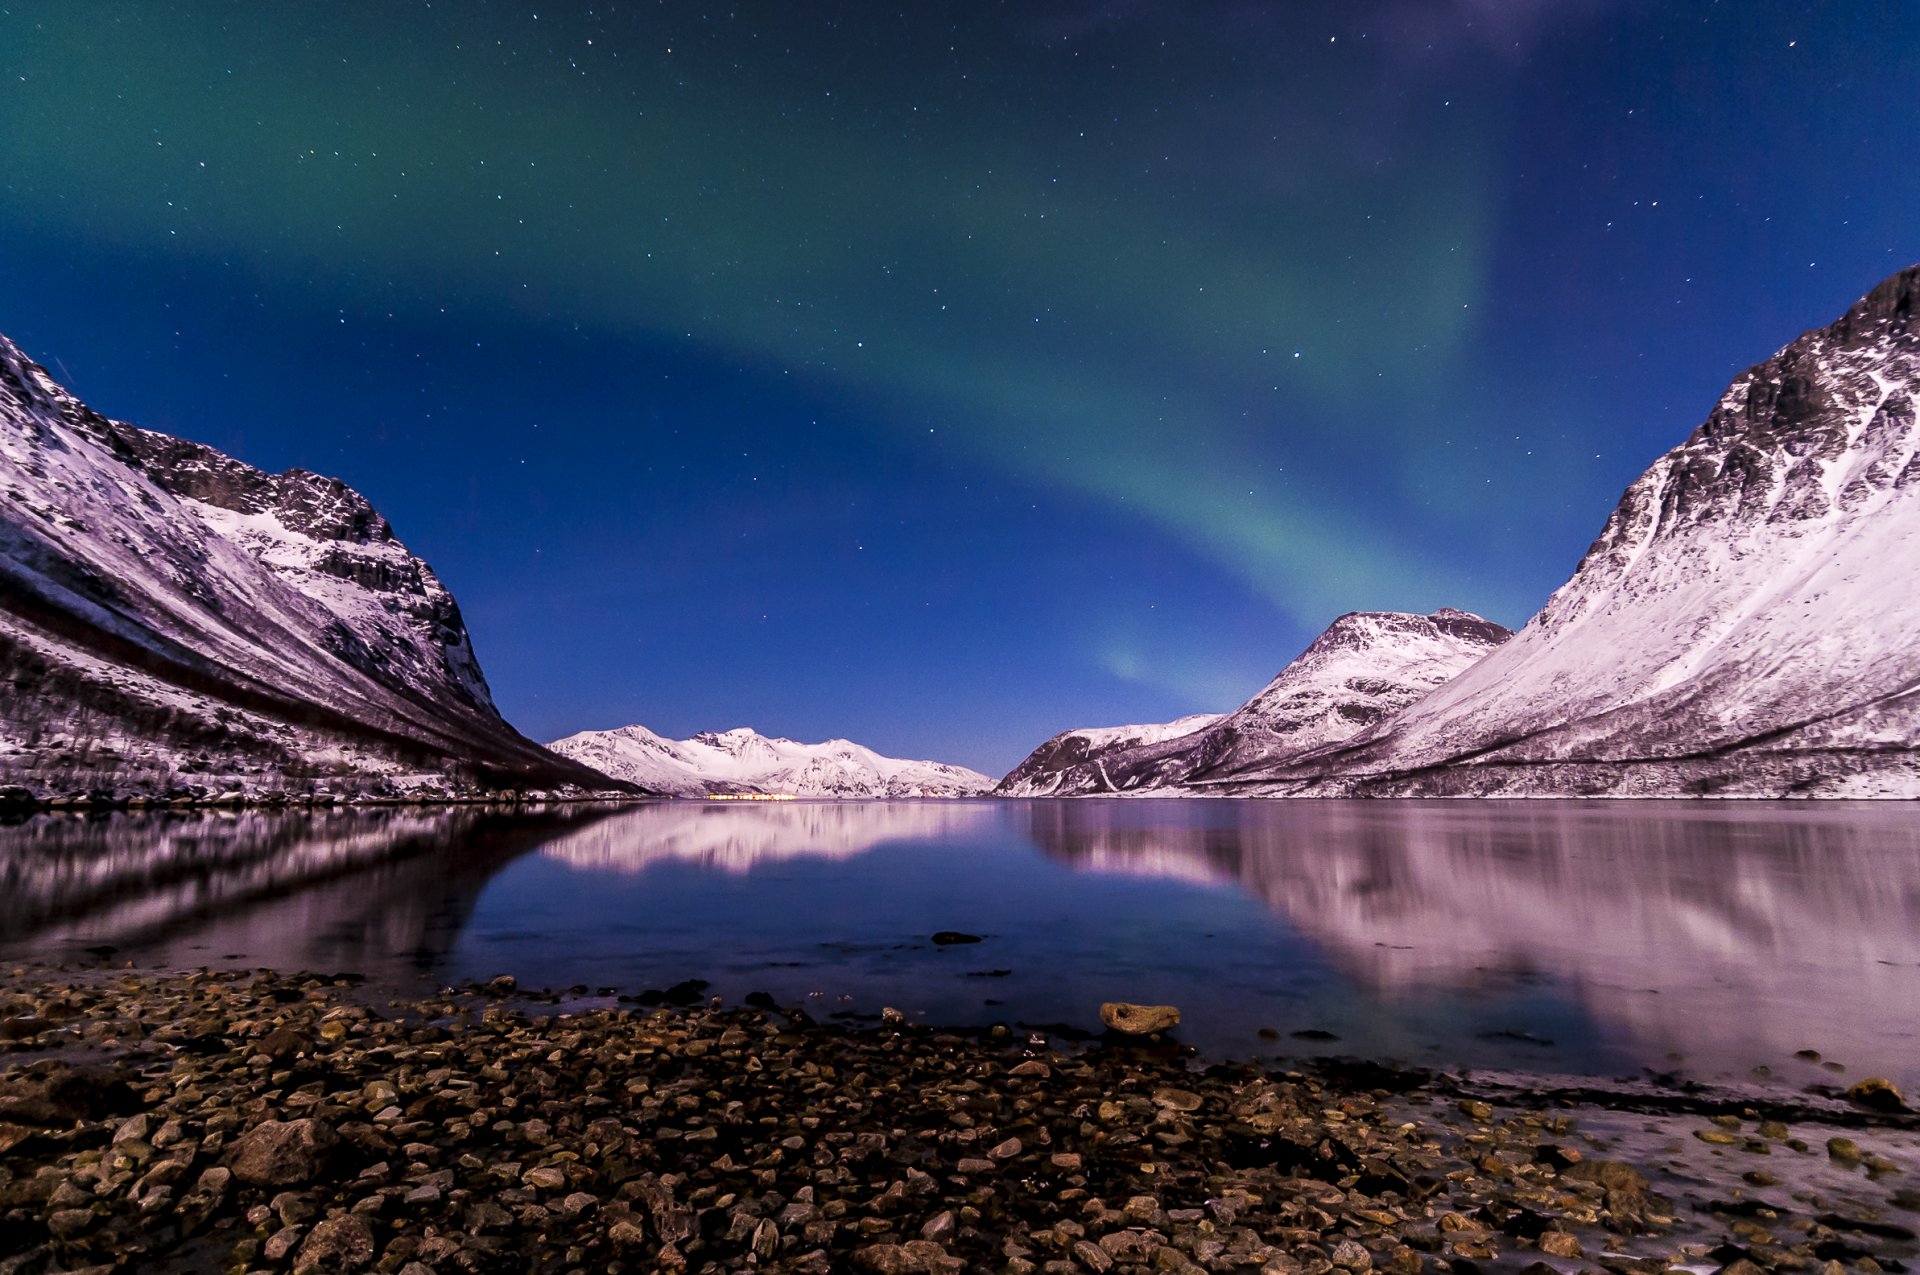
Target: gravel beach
{"x":257,"y":1121}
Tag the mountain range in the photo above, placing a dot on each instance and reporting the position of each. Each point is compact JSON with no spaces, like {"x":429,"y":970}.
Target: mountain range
{"x":176,"y":624}
{"x":742,"y":762}
{"x":1743,"y":626}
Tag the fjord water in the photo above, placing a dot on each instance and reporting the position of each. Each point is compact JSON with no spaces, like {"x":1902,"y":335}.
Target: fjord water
{"x":1601,"y":938}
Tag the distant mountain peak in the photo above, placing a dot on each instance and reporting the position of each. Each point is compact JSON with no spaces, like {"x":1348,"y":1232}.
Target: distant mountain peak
{"x":741,"y":761}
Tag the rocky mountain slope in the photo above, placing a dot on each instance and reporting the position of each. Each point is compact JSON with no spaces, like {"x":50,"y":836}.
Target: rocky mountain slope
{"x":173,"y":621}
{"x":1365,"y":667}
{"x":743,"y":762}
{"x":1744,"y":625}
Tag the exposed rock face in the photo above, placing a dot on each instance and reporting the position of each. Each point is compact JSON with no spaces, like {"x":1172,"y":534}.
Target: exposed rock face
{"x":1076,"y":760}
{"x":1744,"y":625}
{"x":743,"y":762}
{"x":1365,"y":667}
{"x":173,"y":619}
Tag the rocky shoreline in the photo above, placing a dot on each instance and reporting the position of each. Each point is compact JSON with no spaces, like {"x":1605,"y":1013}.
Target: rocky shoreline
{"x":25,"y":801}
{"x":266,"y":1122}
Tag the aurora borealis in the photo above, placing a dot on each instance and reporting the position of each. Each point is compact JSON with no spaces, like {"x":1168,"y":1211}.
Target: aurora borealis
{"x":948,"y":374}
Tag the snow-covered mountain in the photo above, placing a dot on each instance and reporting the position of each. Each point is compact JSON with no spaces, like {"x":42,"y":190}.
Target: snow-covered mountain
{"x":1744,"y":625}
{"x":742,"y":761}
{"x":1365,"y":667}
{"x":174,"y":620}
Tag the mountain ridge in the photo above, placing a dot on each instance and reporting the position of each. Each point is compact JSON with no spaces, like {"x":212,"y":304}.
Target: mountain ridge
{"x":1361,"y":668}
{"x":1741,"y":626}
{"x":179,"y":624}
{"x":743,"y":762}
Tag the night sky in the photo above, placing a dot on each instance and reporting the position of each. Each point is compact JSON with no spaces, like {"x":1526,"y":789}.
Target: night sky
{"x":944,"y":375}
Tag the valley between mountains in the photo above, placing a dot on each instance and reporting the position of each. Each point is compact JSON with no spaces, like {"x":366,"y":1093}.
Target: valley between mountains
{"x":178,"y":626}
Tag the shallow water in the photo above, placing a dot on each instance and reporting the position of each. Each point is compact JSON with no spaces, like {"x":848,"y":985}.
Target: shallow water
{"x":1608,"y":939}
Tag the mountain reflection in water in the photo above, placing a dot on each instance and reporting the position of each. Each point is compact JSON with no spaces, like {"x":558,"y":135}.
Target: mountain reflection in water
{"x":736,"y":837}
{"x":371,"y":890}
{"x":1447,"y":932}
{"x":1743,"y":930}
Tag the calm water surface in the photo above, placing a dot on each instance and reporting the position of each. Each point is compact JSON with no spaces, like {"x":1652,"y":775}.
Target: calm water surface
{"x":1592,"y":938}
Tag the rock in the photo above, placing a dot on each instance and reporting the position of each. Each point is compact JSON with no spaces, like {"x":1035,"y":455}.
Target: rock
{"x":1183,"y":1100}
{"x":282,"y":1153}
{"x":938,"y":1227}
{"x":1876,"y":1094}
{"x":1138,"y":1020}
{"x":891,"y":1017}
{"x":1351,"y":1256}
{"x":60,"y":1093}
{"x":281,"y":1243}
{"x":1561,"y":1244}
{"x":1631,"y":1207}
{"x":1131,"y":1247}
{"x":337,"y":1244}
{"x":946,"y":938}
{"x":1844,"y":1150}
{"x":1031,"y":1069}
{"x":1093,"y":1257}
{"x":502,"y":985}
{"x":915,"y":1257}
{"x":625,"y":1230}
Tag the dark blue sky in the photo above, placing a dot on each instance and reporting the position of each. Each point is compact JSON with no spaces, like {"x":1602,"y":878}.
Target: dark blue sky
{"x":946,"y":375}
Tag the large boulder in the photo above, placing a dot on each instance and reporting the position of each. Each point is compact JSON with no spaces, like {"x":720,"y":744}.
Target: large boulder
{"x":282,"y":1153}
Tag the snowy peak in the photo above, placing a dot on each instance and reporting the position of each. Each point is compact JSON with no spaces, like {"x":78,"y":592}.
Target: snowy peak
{"x":1742,"y":625}
{"x":1365,"y":666}
{"x":187,"y":621}
{"x":744,"y":762}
